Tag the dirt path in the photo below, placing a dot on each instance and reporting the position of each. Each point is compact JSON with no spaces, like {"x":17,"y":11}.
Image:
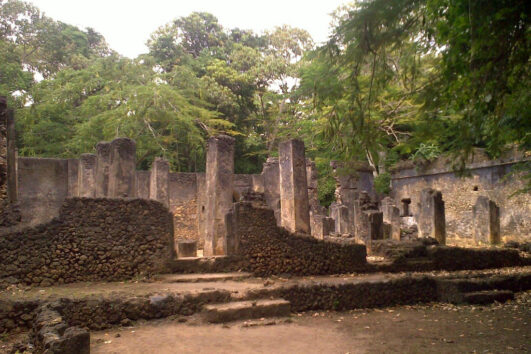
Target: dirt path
{"x":438,"y":328}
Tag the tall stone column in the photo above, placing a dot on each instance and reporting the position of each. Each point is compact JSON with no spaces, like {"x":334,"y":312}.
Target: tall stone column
{"x":271,"y":181}
{"x":12,"y":180}
{"x":294,"y":207}
{"x":103,"y":165}
{"x":431,"y":219}
{"x":486,"y":221}
{"x":219,"y":188}
{"x":122,"y":171}
{"x":158,"y":183}
{"x":86,"y":176}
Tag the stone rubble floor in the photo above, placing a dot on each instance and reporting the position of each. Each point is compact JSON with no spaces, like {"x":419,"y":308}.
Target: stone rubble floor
{"x":428,"y":328}
{"x":436,"y":327}
{"x":198,"y":283}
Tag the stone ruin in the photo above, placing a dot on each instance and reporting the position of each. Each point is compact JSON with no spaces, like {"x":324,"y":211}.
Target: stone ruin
{"x":97,"y":218}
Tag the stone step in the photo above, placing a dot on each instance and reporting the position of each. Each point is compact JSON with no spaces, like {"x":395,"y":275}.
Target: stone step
{"x":487,"y":296}
{"x":245,"y":310}
{"x":203,"y":278}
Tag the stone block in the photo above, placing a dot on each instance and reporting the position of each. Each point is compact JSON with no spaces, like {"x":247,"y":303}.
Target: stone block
{"x":340,"y":214}
{"x":122,"y":172}
{"x":321,"y":225}
{"x":187,"y":248}
{"x":271,"y":179}
{"x":73,"y":178}
{"x":391,"y":216}
{"x":142,"y":184}
{"x":486,"y":221}
{"x":12,"y":179}
{"x":103,"y":165}
{"x":159,"y":187}
{"x":294,"y":206}
{"x":431,"y":218}
{"x":86,"y":175}
{"x":219,"y":197}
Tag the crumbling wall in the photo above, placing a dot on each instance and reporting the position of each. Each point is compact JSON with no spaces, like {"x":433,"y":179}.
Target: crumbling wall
{"x":269,"y":249}
{"x":91,"y":240}
{"x":460,"y":194}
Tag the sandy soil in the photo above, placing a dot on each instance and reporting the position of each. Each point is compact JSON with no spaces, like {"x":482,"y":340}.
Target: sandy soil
{"x":435,"y":328}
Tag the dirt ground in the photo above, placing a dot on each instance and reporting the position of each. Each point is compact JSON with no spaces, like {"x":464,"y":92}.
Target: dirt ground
{"x":434,"y":328}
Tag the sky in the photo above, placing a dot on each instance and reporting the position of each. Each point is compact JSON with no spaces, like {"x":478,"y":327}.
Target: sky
{"x":127,"y":24}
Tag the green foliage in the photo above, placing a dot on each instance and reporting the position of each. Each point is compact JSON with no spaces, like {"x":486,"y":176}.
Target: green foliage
{"x":382,"y":183}
{"x":427,"y":152}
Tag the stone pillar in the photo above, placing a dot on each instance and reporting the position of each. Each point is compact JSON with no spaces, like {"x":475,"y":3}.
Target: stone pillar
{"x":271,"y":180}
{"x":322,"y":226}
{"x":232,"y":239}
{"x":73,"y":177}
{"x":142,"y":184}
{"x":294,"y":207}
{"x":391,"y":216}
{"x":431,"y":219}
{"x":158,"y":182}
{"x":12,"y":188}
{"x":340,"y":214}
{"x":486,"y":221}
{"x":86,"y":175}
{"x":311,"y":178}
{"x":122,"y":171}
{"x":219,"y":187}
{"x":103,"y":165}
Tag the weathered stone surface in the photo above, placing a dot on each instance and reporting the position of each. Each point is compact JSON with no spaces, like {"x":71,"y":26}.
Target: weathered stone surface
{"x":322,"y":225}
{"x":271,"y":178}
{"x":340,"y":214}
{"x":391,"y":216}
{"x":103,"y":165}
{"x":122,"y":173}
{"x":269,"y":249}
{"x":431,"y":217}
{"x":219,"y":188}
{"x":159,"y":177}
{"x":486,"y":221}
{"x":12,"y":179}
{"x":87,"y":175}
{"x":143,"y":184}
{"x":92,"y":239}
{"x":73,"y":178}
{"x":186,"y":248}
{"x":311,"y":178}
{"x":294,"y":207}
{"x":244,"y":310}
{"x":3,"y":149}
{"x":484,"y":177}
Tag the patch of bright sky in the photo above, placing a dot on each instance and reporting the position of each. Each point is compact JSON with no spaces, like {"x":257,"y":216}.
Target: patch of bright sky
{"x":127,"y":24}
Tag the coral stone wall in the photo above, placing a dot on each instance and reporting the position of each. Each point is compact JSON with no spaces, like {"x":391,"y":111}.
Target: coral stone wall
{"x":460,"y":194}
{"x":92,"y":239}
{"x":183,"y":205}
{"x":269,"y":249}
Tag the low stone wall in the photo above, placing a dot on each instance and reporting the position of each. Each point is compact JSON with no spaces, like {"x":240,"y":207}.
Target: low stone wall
{"x":92,"y":239}
{"x":270,"y":250}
